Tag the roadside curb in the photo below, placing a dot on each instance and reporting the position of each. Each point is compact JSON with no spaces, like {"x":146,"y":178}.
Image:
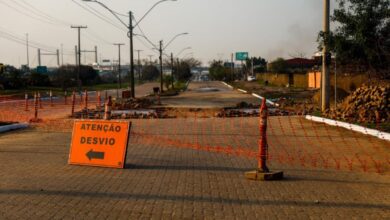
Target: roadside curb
{"x":268,"y":101}
{"x":228,"y":85}
{"x":253,"y":94}
{"x":368,"y":131}
{"x":13,"y":127}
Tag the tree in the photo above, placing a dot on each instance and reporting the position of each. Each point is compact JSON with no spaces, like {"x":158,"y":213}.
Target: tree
{"x":362,"y":36}
{"x":66,"y":76}
{"x":11,"y":78}
{"x":218,"y":71}
{"x":37,"y":79}
{"x":150,"y":72}
{"x":259,"y":63}
{"x":278,"y":66}
{"x":182,"y":71}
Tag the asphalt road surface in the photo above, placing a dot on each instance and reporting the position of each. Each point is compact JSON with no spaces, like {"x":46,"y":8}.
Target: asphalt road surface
{"x":208,"y":94}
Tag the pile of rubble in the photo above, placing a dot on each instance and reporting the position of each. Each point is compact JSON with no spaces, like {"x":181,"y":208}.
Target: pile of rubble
{"x":366,"y":104}
{"x":139,"y":103}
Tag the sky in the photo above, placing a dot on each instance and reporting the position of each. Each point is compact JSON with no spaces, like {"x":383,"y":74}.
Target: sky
{"x":217,"y":28}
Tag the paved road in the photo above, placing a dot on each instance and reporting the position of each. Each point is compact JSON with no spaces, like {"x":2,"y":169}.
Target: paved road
{"x":211,"y":94}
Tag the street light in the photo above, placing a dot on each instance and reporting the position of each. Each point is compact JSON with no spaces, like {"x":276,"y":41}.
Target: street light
{"x":174,"y":39}
{"x":187,"y":48}
{"x":161,"y":50}
{"x":130,"y":35}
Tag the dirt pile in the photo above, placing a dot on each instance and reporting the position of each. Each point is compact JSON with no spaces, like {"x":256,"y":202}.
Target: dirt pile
{"x":139,"y":103}
{"x":366,"y":104}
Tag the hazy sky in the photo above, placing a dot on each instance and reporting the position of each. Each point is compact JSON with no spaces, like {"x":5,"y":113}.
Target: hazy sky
{"x":267,"y":28}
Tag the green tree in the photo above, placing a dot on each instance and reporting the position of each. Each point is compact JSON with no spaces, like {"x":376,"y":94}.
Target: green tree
{"x":259,"y":63}
{"x":66,"y":76}
{"x":278,"y":66}
{"x":362,"y":36}
{"x":217,"y":70}
{"x":150,"y":72}
{"x":11,"y":78}
{"x":37,"y":79}
{"x":182,"y":71}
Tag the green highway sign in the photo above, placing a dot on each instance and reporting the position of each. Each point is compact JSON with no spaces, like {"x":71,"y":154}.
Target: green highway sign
{"x":42,"y":69}
{"x":242,"y":56}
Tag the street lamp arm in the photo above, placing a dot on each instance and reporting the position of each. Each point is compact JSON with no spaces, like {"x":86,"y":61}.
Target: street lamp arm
{"x":174,"y":39}
{"x":157,"y":3}
{"x":147,"y":39}
{"x":187,"y":48}
{"x":111,"y":11}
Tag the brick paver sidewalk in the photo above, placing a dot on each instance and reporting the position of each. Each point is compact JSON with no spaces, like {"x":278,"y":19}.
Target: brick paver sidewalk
{"x":174,"y":183}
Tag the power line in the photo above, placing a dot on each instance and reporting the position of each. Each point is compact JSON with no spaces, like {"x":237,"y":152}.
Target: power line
{"x":17,"y":10}
{"x":97,"y":15}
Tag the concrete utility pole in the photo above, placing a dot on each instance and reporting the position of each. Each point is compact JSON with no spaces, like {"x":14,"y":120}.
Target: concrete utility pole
{"x":91,"y":51}
{"x":39,"y":57}
{"x":172,"y":70}
{"x":76,"y":56}
{"x":161,"y":67}
{"x":79,"y":54}
{"x":326,"y":59}
{"x":28,"y":56}
{"x":40,"y":54}
{"x":119,"y":64}
{"x":139,"y":65}
{"x":150,"y":58}
{"x":131,"y":27}
{"x":62,"y":54}
{"x":232,"y":63}
{"x":96,"y":55}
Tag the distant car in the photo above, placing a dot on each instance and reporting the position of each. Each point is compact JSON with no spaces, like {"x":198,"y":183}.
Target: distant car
{"x":251,"y":78}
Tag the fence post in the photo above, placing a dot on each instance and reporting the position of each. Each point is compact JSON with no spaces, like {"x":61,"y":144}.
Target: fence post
{"x":73,"y":102}
{"x":107,"y":110}
{"x":99,"y":104}
{"x":263,"y":145}
{"x":66,"y":97}
{"x":86,"y":100}
{"x":262,"y":172}
{"x":35,"y":107}
{"x":51,"y":98}
{"x":39,"y":100}
{"x":26,"y":102}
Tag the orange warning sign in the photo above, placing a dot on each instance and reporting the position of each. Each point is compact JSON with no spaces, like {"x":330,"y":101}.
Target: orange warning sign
{"x":99,"y":143}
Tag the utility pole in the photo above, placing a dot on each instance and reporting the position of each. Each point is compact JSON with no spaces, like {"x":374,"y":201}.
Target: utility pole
{"x":150,"y":58}
{"x":39,"y":57}
{"x":58,"y":58}
{"x":131,"y":55}
{"x":96,"y":55}
{"x":232,"y":67}
{"x":326,"y":59}
{"x":253,"y":69}
{"x":172,"y":71}
{"x":28,"y":56}
{"x":62,"y":54}
{"x":119,"y":64}
{"x":139,"y":65}
{"x":76,"y":56}
{"x":79,"y":54}
{"x":161,"y":67}
{"x":40,"y":54}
